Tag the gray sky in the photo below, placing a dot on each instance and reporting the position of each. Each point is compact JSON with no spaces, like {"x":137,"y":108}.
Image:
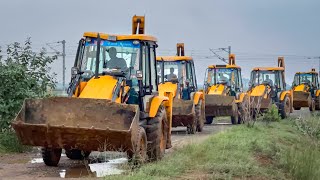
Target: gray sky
{"x":258,"y":31}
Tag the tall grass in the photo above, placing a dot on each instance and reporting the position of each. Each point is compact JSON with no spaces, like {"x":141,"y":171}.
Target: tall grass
{"x":10,"y":143}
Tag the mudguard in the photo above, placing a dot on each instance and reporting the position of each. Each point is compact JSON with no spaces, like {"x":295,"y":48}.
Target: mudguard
{"x":197,"y":96}
{"x":155,"y":104}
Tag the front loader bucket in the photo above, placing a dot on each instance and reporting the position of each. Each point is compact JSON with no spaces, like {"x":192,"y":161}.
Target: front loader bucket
{"x":219,"y":105}
{"x":182,"y":113}
{"x":258,"y":103}
{"x":76,"y":123}
{"x":301,"y":99}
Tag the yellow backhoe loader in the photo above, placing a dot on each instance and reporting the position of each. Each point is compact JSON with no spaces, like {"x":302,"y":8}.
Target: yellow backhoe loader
{"x":113,"y":102}
{"x":179,"y":77}
{"x":306,"y":90}
{"x":223,"y":91}
{"x":268,"y":86}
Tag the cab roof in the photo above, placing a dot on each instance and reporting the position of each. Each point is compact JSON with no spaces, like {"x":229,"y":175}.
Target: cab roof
{"x":268,"y":69}
{"x":174,"y":58}
{"x":224,"y":66}
{"x":310,"y":72}
{"x":104,"y":36}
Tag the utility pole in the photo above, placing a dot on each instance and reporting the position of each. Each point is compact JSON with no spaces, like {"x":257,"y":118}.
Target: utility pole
{"x":64,"y":64}
{"x":318,"y":64}
{"x":228,"y":50}
{"x":63,"y":54}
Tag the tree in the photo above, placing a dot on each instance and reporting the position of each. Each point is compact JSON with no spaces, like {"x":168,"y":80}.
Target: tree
{"x":23,"y":74}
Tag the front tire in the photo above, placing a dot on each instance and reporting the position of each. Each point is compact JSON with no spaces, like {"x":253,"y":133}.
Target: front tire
{"x":284,"y":107}
{"x":51,"y":156}
{"x":297,"y":108}
{"x":317,"y":102}
{"x":139,"y":154}
{"x":312,"y":106}
{"x":199,"y":116}
{"x":157,"y":133}
{"x":76,"y":154}
{"x":209,"y":119}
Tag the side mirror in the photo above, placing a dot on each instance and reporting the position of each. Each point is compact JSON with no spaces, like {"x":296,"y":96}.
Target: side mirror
{"x":139,"y":75}
{"x":75,"y":71}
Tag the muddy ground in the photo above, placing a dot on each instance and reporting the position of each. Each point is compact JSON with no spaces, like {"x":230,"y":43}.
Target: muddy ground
{"x":30,"y":165}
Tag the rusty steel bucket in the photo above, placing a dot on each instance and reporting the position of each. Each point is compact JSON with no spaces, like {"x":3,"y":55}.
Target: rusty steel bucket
{"x":301,"y":99}
{"x":76,"y":123}
{"x":183,"y":113}
{"x":219,"y":105}
{"x":260,"y":103}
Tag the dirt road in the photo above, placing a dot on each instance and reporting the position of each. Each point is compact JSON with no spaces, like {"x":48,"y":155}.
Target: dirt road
{"x":30,"y":165}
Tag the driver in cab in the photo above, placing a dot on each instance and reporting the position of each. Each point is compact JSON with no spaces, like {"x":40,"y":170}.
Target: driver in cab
{"x":115,"y":62}
{"x":268,"y":80}
{"x":306,"y":80}
{"x":171,"y":76}
{"x":222,"y":78}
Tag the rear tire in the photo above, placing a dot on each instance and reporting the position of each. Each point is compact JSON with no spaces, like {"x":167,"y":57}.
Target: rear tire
{"x":199,"y":116}
{"x":76,"y":154}
{"x":284,"y":107}
{"x":51,"y":156}
{"x":297,"y":108}
{"x":209,"y":119}
{"x":312,"y":106}
{"x":157,"y":131}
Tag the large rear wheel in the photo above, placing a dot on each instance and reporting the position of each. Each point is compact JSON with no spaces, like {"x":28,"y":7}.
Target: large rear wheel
{"x":157,"y":130}
{"x":284,"y":107}
{"x":200,"y":116}
{"x":51,"y":156}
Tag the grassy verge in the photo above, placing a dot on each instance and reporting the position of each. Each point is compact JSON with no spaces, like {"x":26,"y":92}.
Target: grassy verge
{"x":279,"y":150}
{"x":9,"y":143}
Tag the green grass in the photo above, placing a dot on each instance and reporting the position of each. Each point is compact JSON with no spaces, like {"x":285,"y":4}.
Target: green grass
{"x":274,"y":151}
{"x":9,"y":143}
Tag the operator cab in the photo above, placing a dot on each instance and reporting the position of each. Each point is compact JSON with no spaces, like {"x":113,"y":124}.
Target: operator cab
{"x":130,"y":60}
{"x":307,"y":78}
{"x":226,"y":75}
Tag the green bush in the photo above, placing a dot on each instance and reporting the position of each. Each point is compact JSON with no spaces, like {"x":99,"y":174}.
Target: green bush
{"x":272,"y":115}
{"x":24,"y":74}
{"x":309,"y":126}
{"x":10,"y":143}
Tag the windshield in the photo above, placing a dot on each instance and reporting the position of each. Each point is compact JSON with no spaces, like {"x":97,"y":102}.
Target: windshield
{"x":121,"y":55}
{"x":174,"y":71}
{"x":263,"y":77}
{"x":221,"y":75}
{"x":302,"y":78}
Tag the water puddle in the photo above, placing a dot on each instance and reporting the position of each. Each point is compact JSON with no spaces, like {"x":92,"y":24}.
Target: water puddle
{"x":36,"y":160}
{"x":95,"y":169}
{"x":98,"y":165}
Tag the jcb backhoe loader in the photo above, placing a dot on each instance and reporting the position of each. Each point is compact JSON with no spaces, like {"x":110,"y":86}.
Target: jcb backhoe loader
{"x":113,"y":103}
{"x":268,"y":86}
{"x":179,"y":77}
{"x":223,"y":91}
{"x":306,"y":90}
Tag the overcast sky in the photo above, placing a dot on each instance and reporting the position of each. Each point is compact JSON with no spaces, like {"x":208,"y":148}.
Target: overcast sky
{"x":257,"y":31}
